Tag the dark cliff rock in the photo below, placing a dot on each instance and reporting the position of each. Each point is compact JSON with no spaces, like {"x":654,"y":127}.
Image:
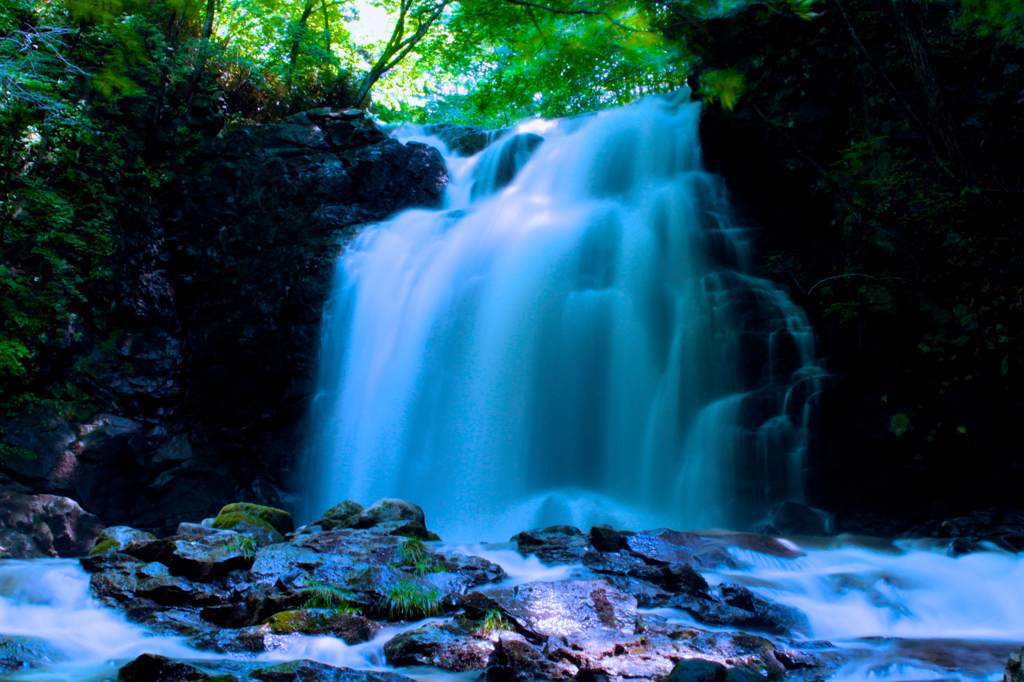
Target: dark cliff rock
{"x":198,"y":400}
{"x":890,"y":209}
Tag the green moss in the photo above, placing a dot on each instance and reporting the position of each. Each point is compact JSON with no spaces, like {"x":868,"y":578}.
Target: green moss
{"x":286,"y":622}
{"x":232,"y":521}
{"x":104,"y":546}
{"x":279,"y":519}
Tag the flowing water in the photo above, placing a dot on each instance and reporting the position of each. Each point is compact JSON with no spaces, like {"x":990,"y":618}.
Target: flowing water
{"x":575,"y":338}
{"x":890,"y":613}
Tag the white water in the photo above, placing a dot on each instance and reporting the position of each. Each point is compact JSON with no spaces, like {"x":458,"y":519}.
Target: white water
{"x":566,"y":348}
{"x":900,"y":613}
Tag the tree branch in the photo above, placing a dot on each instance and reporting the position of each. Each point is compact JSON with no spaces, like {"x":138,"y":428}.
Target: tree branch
{"x":580,"y":12}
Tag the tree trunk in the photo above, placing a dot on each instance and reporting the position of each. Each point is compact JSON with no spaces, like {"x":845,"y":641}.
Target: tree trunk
{"x":941,"y":127}
{"x":211,"y":10}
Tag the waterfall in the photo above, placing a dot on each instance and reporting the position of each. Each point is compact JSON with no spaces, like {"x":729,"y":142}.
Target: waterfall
{"x":575,"y":338}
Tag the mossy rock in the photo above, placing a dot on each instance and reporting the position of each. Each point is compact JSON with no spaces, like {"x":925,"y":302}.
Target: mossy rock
{"x":243,"y":523}
{"x":341,"y":515}
{"x":278,"y":518}
{"x":349,"y":627}
{"x":118,"y":537}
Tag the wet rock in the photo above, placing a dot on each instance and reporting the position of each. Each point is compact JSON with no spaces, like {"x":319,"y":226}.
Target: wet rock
{"x":461,"y":140}
{"x":248,"y":640}
{"x":554,"y":545}
{"x":697,"y":670}
{"x":739,"y":674}
{"x":232,"y":615}
{"x":17,"y":545}
{"x":116,"y":538}
{"x":442,"y":645}
{"x":514,"y":658}
{"x":198,"y":558}
{"x":312,"y":671}
{"x":278,"y":519}
{"x":341,"y":515}
{"x":44,"y":525}
{"x":406,"y":529}
{"x":664,"y":546}
{"x":389,"y":510}
{"x":738,"y":607}
{"x":199,"y":529}
{"x":258,"y":529}
{"x":1014,"y":667}
{"x":677,"y":577}
{"x":351,"y":628}
{"x":477,"y":570}
{"x":24,"y":653}
{"x":153,"y":668}
{"x":604,"y":538}
{"x":180,"y":621}
{"x":566,"y":608}
{"x":119,"y":579}
{"x":754,"y":542}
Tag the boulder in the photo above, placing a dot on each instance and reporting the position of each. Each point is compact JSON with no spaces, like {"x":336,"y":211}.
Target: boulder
{"x":254,"y":639}
{"x":389,"y":510}
{"x":347,"y":626}
{"x":341,"y":515}
{"x":566,"y":608}
{"x":736,"y":606}
{"x":116,"y":538}
{"x":697,"y":670}
{"x":441,"y":645}
{"x":197,"y":558}
{"x":279,"y":519}
{"x":44,"y":525}
{"x":664,"y":546}
{"x":263,"y":532}
{"x":554,"y":544}
{"x":477,"y":570}
{"x":25,"y":653}
{"x":154,"y":668}
{"x":312,"y":671}
{"x":1014,"y":668}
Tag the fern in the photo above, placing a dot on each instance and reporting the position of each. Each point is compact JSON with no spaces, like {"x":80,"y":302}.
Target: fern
{"x":724,"y":86}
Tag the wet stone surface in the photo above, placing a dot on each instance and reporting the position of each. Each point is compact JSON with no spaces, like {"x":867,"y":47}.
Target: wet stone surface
{"x":231,"y":593}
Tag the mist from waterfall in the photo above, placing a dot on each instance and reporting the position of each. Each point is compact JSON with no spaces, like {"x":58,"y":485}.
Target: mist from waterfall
{"x":576,"y":338}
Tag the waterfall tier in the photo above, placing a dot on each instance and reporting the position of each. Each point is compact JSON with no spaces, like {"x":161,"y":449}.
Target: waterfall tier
{"x":576,"y":338}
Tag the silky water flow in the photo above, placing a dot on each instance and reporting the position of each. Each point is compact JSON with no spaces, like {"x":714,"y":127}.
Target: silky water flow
{"x":575,"y":338}
{"x":579,"y":341}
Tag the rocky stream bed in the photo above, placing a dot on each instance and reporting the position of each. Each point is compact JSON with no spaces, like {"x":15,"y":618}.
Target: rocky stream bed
{"x":371,"y":594}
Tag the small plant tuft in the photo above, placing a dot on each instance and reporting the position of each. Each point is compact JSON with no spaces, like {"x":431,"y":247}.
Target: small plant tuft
{"x":320,"y":596}
{"x":409,"y":600}
{"x":494,"y":621}
{"x":414,"y":556}
{"x":244,"y":545}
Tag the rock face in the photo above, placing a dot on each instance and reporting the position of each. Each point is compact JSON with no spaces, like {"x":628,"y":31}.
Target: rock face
{"x":33,"y":526}
{"x":1014,"y":670}
{"x":221,"y":294}
{"x":851,"y":162}
{"x":153,"y":668}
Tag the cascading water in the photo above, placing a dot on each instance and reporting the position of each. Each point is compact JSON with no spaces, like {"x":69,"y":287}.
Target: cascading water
{"x":573,"y":339}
